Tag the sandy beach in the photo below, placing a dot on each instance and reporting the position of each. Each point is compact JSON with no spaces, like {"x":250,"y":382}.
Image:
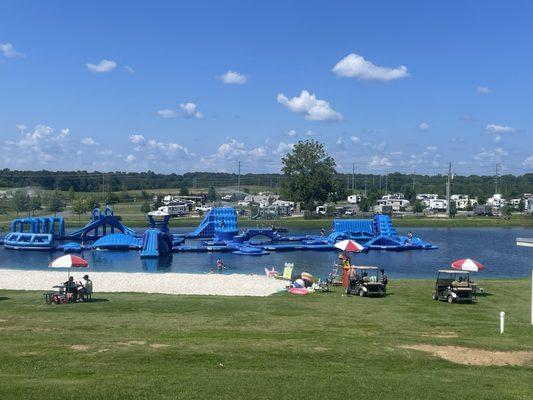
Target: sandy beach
{"x":171,"y":283}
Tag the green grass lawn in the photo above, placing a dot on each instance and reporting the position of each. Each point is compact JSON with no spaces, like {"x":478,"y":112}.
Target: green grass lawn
{"x":322,"y":346}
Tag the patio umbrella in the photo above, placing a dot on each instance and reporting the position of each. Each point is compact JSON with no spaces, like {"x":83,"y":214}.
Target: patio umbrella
{"x":69,"y":261}
{"x":467,"y":264}
{"x":349,"y":246}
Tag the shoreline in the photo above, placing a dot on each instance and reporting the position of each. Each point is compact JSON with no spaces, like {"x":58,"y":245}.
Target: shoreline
{"x":140,"y":282}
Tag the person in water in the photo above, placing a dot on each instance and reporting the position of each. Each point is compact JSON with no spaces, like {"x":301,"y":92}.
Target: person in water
{"x":222,"y":224}
{"x":322,"y":232}
{"x":220,"y":264}
{"x":409,"y":237}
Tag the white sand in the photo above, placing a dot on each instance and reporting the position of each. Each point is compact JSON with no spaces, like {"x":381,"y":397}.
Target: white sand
{"x":171,"y":283}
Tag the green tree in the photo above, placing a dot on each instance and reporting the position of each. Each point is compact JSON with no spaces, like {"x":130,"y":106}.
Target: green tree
{"x":55,"y":203}
{"x":365,"y":204}
{"x":453,"y":209}
{"x":92,"y":202}
{"x":71,"y":195}
{"x":309,"y":173}
{"x":20,"y":201}
{"x":145,"y":195}
{"x":184,"y":190}
{"x":409,"y":194}
{"x":211,"y":193}
{"x":79,"y":206}
{"x":36,"y":203}
{"x":418,"y":206}
{"x":145,"y":207}
{"x":110,"y":198}
{"x":521,"y":205}
{"x":157,"y":202}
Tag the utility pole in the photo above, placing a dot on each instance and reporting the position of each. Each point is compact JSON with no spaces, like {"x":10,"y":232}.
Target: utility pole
{"x":103,"y":185}
{"x":448,"y":189}
{"x":387,"y":184}
{"x":413,"y":180}
{"x":239,"y":179}
{"x":353,"y":178}
{"x":496,"y":179}
{"x":366,"y":176}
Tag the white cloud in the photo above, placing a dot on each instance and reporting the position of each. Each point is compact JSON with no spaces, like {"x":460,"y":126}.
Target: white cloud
{"x":103,"y":66}
{"x":423,"y":126}
{"x":309,"y":133}
{"x":495,"y":128}
{"x":130,"y":158}
{"x":21,"y":127}
{"x":432,"y":148}
{"x":355,"y":66}
{"x":258,"y":152}
{"x":231,"y":149}
{"x":136,"y":139}
{"x":378,"y":161}
{"x":129,"y":69}
{"x":483,"y":89}
{"x":9,"y":51}
{"x":528,"y":162}
{"x":497,"y":138}
{"x":190,"y":110}
{"x":232,"y":77}
{"x":313,"y":108}
{"x":89,"y":141}
{"x":166,"y":113}
{"x":355,"y":139}
{"x":292,"y":132}
{"x":490,"y":155}
{"x":283,"y":148}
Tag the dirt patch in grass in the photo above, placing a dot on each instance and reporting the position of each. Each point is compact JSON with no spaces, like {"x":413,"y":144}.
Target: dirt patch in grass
{"x":81,"y":347}
{"x":470,"y":356}
{"x":440,"y":335}
{"x":133,"y":343}
{"x":158,"y":345}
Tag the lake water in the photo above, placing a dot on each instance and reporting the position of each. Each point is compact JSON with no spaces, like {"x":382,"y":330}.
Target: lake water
{"x":494,"y":247}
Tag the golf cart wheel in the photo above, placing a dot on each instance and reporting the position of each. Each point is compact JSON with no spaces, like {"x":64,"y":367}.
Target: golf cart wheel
{"x":435,"y":297}
{"x":361,"y":293}
{"x":450,"y":299}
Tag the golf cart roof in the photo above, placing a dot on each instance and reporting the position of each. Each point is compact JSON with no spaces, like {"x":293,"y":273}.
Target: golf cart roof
{"x":453,"y":271}
{"x":363,"y":267}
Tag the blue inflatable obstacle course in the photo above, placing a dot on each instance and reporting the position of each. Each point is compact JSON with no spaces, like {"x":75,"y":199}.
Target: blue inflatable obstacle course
{"x":376,"y":234}
{"x":29,"y":241}
{"x":219,"y":222}
{"x":155,"y":243}
{"x":117,"y":241}
{"x":54,"y":226}
{"x":101,"y":224}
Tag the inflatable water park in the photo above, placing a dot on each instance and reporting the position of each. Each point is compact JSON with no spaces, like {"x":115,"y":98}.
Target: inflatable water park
{"x":217,"y":231}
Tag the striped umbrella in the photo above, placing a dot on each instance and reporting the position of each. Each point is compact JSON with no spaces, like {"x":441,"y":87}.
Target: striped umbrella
{"x":349,"y":246}
{"x":467,"y":264}
{"x":69,"y":261}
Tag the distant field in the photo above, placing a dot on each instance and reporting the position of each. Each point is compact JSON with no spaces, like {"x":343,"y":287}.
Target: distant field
{"x":321,"y":346}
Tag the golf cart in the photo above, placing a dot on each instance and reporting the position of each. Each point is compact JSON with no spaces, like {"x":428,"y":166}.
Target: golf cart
{"x":367,"y":281}
{"x":453,"y":286}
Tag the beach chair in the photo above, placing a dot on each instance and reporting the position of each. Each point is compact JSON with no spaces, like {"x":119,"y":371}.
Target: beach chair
{"x":287,"y":272}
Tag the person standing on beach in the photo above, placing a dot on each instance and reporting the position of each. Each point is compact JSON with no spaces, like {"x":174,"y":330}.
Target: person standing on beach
{"x":346,"y":265}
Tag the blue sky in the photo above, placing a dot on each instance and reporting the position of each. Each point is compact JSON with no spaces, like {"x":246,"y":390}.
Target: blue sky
{"x":197,"y":86}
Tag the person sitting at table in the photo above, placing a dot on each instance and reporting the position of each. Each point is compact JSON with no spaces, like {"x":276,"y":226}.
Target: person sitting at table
{"x":71,"y":288}
{"x":86,"y":288}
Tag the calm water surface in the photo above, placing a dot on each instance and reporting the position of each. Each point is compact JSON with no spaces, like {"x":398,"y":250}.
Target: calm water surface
{"x":494,"y":247}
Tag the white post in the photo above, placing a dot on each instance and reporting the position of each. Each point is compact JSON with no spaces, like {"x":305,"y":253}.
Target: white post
{"x":502,"y":322}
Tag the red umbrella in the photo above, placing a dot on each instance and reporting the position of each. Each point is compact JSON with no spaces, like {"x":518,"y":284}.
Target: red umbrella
{"x":69,"y":261}
{"x":349,"y":246}
{"x":467,"y":264}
